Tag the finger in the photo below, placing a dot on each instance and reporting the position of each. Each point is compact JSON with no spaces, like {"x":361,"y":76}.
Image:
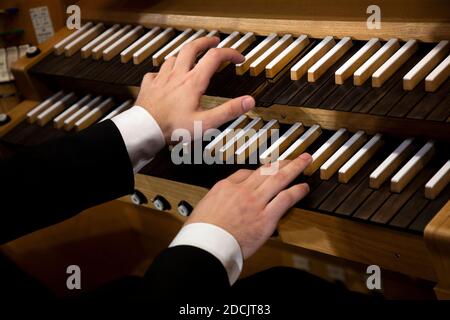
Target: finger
{"x":280,"y":180}
{"x":215,"y":117}
{"x":188,"y":54}
{"x":285,"y":200}
{"x":166,"y":68}
{"x":240,"y":175}
{"x":211,"y":61}
{"x":264,"y":172}
{"x":149,"y":76}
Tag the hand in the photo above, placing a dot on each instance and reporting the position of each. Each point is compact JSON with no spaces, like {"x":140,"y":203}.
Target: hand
{"x":249,"y":204}
{"x":172,"y":96}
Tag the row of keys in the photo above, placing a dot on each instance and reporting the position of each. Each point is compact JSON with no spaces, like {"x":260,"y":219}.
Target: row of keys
{"x":273,"y":53}
{"x":343,"y":153}
{"x":67,"y":112}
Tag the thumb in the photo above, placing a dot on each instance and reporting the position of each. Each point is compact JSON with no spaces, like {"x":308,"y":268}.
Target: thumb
{"x":227,"y":111}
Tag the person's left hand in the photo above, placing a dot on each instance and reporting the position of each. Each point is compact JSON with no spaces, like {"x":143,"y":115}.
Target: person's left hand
{"x":172,"y":96}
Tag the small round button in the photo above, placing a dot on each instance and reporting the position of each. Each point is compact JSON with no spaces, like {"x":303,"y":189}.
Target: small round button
{"x":4,"y":119}
{"x":184,"y":208}
{"x":33,"y":51}
{"x":160,"y":203}
{"x":138,"y":198}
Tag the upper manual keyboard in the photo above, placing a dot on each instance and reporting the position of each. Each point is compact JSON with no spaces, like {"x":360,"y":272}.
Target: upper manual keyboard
{"x":390,"y":78}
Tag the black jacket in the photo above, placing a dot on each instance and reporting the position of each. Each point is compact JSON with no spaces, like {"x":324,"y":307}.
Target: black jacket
{"x":46,"y":184}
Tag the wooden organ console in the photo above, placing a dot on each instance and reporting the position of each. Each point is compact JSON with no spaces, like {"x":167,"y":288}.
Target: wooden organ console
{"x":371,"y":105}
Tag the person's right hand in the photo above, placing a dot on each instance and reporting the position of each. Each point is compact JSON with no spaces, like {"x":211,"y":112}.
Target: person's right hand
{"x":249,"y":204}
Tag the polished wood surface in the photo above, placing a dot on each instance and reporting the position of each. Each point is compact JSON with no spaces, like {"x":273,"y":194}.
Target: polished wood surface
{"x":397,"y":251}
{"x":412,"y":255}
{"x":437,"y":239}
{"x":315,"y":18}
{"x":17,"y":115}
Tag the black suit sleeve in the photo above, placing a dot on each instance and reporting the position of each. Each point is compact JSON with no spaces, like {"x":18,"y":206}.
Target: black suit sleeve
{"x":184,"y":273}
{"x":46,"y":184}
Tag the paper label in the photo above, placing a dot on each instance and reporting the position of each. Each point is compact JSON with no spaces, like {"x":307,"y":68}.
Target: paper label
{"x":4,"y":74}
{"x":42,"y":23}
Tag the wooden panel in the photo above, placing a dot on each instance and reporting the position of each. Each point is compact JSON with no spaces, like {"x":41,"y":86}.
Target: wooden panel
{"x":437,"y":239}
{"x":335,"y":236}
{"x":17,"y":115}
{"x":293,"y":17}
{"x":92,"y":239}
{"x":28,"y":85}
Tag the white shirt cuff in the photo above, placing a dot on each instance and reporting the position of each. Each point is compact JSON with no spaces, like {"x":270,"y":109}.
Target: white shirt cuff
{"x":217,"y":242}
{"x":142,"y":135}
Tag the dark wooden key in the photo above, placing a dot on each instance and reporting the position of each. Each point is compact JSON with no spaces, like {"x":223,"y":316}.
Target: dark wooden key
{"x":291,"y":91}
{"x":124,"y":70}
{"x":135,"y":75}
{"x":410,"y":210}
{"x":282,"y":80}
{"x":442,"y":111}
{"x":373,"y":202}
{"x":67,"y":64}
{"x":51,"y":64}
{"x":354,"y":96}
{"x":355,"y":199}
{"x":316,"y":197}
{"x":407,"y":102}
{"x":310,"y":94}
{"x":337,"y":95}
{"x":274,"y":89}
{"x":113,"y":72}
{"x":429,"y":102}
{"x":220,"y":80}
{"x":93,"y":69}
{"x":397,"y":92}
{"x":380,"y":95}
{"x":248,"y":85}
{"x":79,"y":68}
{"x":345,"y":189}
{"x":397,"y":200}
{"x":330,"y":86}
{"x":430,"y":211}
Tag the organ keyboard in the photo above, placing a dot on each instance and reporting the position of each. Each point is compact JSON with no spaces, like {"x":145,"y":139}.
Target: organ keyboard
{"x":370,"y":106}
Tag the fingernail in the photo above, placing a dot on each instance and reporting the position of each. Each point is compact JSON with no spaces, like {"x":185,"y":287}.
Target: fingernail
{"x":305,"y":156}
{"x":248,"y":103}
{"x":306,"y":186}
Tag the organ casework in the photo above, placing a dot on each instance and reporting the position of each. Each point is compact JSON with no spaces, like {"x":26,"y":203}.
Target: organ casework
{"x":372,"y":107}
